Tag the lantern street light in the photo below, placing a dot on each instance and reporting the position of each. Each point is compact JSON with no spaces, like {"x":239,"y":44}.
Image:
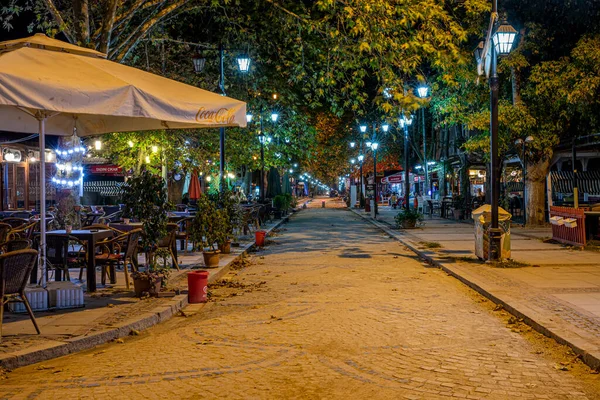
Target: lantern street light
{"x":244,"y":66}
{"x":523,"y":143}
{"x":352,"y":144}
{"x":405,"y":122}
{"x":263,"y":140}
{"x":499,"y":42}
{"x":423,"y":91}
{"x":363,"y":128}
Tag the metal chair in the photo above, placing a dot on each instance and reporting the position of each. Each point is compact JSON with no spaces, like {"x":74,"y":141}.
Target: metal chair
{"x":113,"y":254}
{"x":168,"y":243}
{"x":183,"y":234}
{"x":15,"y":268}
{"x":59,"y":258}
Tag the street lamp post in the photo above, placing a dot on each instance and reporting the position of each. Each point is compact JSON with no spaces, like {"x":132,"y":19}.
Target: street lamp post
{"x":523,"y":143}
{"x":405,"y":123}
{"x":244,"y":66}
{"x":499,"y":42}
{"x":374,"y":147}
{"x":423,"y":91}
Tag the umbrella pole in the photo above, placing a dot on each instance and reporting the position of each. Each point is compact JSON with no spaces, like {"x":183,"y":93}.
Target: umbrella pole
{"x":42,"y":252}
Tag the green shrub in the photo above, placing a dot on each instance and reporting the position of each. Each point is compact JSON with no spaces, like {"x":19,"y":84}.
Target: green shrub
{"x":408,"y":218}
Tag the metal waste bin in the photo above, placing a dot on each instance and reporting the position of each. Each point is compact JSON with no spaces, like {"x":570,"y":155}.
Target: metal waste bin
{"x":483,"y":219}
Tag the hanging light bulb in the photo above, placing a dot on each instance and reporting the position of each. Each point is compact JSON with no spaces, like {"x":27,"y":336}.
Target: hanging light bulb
{"x":155,"y":149}
{"x":130,"y":143}
{"x":98,"y":144}
{"x":147,"y":159}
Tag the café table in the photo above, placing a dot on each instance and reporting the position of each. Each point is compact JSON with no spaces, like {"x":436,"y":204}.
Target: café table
{"x":91,"y":237}
{"x":126,"y":227}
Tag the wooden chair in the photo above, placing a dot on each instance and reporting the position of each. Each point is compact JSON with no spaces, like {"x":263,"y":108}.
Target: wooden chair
{"x":15,"y":268}
{"x":168,"y":243}
{"x":113,"y":254}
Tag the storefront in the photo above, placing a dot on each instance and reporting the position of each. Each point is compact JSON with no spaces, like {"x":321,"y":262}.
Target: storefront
{"x":102,"y":185}
{"x":477,"y":177}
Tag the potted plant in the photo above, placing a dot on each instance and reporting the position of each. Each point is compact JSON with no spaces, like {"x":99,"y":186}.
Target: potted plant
{"x":145,"y":199}
{"x":458,"y":207}
{"x":230,"y":215}
{"x":407,"y":219}
{"x":278,"y":204}
{"x":208,"y":228}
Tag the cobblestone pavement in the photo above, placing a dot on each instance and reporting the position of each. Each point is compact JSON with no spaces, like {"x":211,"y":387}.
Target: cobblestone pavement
{"x":332,"y":308}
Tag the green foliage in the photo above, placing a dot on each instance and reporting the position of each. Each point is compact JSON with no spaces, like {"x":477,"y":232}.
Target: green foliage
{"x":209,"y":226}
{"x":145,"y":199}
{"x":408,"y":218}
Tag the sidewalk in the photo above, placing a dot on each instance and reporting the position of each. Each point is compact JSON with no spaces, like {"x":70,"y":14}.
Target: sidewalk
{"x":557,"y":292}
{"x":109,"y":314}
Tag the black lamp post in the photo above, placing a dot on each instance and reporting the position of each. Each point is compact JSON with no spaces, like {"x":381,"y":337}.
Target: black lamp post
{"x":501,"y":37}
{"x":423,"y":92}
{"x":523,"y":142}
{"x":243,"y":62}
{"x":405,"y":123}
{"x":263,"y":140}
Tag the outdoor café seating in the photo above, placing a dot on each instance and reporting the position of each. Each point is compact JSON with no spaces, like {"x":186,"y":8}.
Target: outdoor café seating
{"x":14,"y":245}
{"x":15,"y":268}
{"x":119,"y":250}
{"x":168,"y":244}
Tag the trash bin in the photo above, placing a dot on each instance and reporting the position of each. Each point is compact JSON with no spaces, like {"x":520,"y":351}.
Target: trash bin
{"x":323,"y":204}
{"x":483,"y":219}
{"x":197,"y":286}
{"x":259,"y":238}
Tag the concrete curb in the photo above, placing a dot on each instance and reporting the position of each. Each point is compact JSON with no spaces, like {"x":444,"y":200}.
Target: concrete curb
{"x":147,"y":320}
{"x":589,"y":353}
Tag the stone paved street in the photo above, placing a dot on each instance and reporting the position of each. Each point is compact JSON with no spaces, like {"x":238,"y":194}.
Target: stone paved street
{"x":332,"y":308}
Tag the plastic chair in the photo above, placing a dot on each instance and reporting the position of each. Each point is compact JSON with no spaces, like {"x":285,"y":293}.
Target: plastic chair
{"x":15,"y":268}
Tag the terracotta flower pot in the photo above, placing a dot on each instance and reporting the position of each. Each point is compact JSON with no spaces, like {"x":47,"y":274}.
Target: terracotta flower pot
{"x":211,"y":258}
{"x":225,"y":248}
{"x":145,"y":285}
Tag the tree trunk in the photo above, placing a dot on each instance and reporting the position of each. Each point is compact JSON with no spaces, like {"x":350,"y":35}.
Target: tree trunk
{"x":516,"y":85}
{"x":81,"y":16}
{"x":108,"y":20}
{"x":536,"y":192}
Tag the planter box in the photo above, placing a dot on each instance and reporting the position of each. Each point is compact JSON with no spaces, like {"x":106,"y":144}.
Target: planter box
{"x":570,"y":222}
{"x":556,"y":220}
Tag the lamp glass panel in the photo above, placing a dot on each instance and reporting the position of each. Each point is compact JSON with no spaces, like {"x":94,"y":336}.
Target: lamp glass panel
{"x":503,"y":42}
{"x":243,"y":63}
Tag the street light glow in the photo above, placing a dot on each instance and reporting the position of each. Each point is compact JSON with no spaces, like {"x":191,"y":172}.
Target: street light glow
{"x":243,"y":63}
{"x":274,"y":117}
{"x":249,"y":117}
{"x":374,"y":146}
{"x":352,"y":144}
{"x":363,"y":128}
{"x":385,"y":127}
{"x":504,"y":38}
{"x":423,"y":91}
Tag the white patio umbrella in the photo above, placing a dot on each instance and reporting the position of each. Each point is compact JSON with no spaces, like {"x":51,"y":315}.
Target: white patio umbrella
{"x":51,"y":87}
